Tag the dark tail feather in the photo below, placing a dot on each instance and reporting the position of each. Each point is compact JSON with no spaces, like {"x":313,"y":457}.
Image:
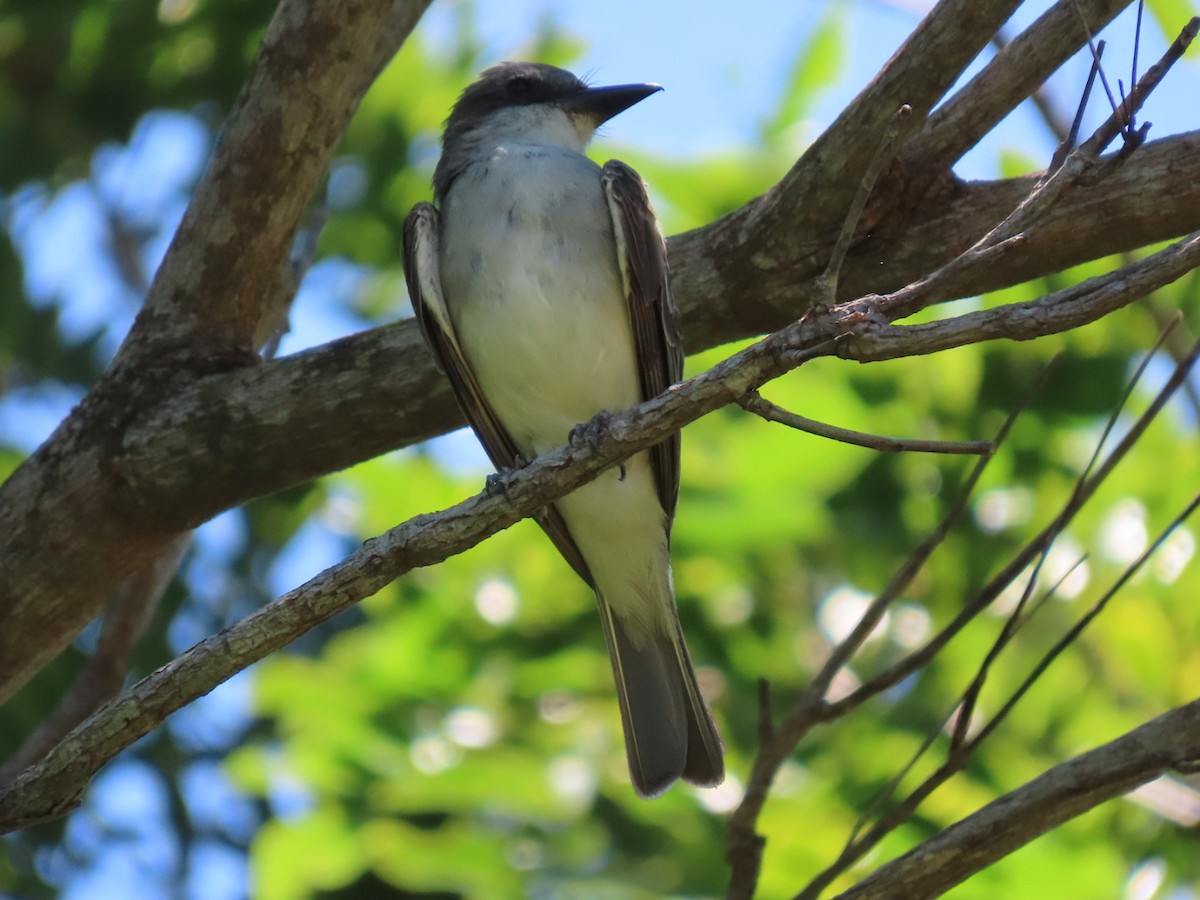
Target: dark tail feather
{"x":669,"y":732}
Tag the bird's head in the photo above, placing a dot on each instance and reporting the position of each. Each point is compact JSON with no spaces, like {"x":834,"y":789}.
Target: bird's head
{"x":533,"y":103}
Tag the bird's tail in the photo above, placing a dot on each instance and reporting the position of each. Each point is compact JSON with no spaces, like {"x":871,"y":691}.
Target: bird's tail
{"x":669,"y":732}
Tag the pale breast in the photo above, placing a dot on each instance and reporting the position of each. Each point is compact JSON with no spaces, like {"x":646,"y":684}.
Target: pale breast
{"x":529,"y":269}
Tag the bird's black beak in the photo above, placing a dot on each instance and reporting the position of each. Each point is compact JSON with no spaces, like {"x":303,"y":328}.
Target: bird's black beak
{"x":602,"y":103}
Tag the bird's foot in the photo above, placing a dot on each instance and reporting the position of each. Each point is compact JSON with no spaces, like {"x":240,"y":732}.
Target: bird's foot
{"x":588,"y":434}
{"x":498,"y":481}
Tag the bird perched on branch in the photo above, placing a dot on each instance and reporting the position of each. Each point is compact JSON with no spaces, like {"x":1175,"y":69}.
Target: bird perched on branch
{"x":540,"y":284}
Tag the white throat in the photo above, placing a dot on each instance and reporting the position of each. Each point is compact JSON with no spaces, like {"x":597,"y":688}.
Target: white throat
{"x":537,"y":124}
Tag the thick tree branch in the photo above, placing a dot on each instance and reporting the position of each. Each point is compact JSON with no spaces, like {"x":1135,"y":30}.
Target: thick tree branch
{"x":190,"y":429}
{"x":1012,"y":75}
{"x":207,"y":297}
{"x":200,"y":316}
{"x":55,"y":784}
{"x":1165,"y":744}
{"x":784,"y":237}
{"x":254,"y":431}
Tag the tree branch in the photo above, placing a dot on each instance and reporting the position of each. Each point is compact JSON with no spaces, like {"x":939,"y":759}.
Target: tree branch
{"x":55,"y":784}
{"x":126,"y":617}
{"x":756,"y":404}
{"x":1013,"y":74}
{"x":128,"y":465}
{"x":1167,"y":743}
{"x":254,"y":431}
{"x":200,"y":317}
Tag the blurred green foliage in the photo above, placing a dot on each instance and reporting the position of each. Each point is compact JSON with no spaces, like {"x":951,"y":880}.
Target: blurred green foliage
{"x":457,"y":735}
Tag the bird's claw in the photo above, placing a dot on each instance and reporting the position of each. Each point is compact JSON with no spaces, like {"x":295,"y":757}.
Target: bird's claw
{"x":498,"y":481}
{"x":588,"y":434}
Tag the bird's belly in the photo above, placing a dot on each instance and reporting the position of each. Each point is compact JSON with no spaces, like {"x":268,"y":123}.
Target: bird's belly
{"x":550,"y":343}
{"x":535,"y":295}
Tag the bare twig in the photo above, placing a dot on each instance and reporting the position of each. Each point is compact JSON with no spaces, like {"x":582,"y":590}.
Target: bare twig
{"x":1137,"y":44}
{"x":129,"y":611}
{"x":1095,"y":51}
{"x":827,"y":282}
{"x":1015,"y":621}
{"x":1084,"y":490}
{"x":1044,"y":195}
{"x":744,"y":846}
{"x":1069,"y":139}
{"x":755,"y":403}
{"x":961,"y":750}
{"x":1165,"y":744}
{"x":1178,"y":342}
{"x":1073,"y":633}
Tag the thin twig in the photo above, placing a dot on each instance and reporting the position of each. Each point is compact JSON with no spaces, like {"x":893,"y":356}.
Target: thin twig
{"x":755,"y":403}
{"x":1179,"y":342}
{"x":1112,"y":101}
{"x":1137,"y":44}
{"x":1068,"y":141}
{"x":1084,"y":490}
{"x":960,"y":752}
{"x":961,"y":714}
{"x":125,"y":619}
{"x":1012,"y":626}
{"x":1073,"y":633}
{"x":745,"y":846}
{"x":916,"y":560}
{"x":827,"y":282}
{"x":1044,"y":195}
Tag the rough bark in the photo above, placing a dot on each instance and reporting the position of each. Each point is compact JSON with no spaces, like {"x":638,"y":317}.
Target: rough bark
{"x":54,"y":786}
{"x":1170,"y":742}
{"x":189,"y":421}
{"x":73,"y":527}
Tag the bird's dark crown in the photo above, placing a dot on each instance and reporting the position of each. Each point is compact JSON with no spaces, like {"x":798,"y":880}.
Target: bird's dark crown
{"x":503,"y":86}
{"x":512,"y":84}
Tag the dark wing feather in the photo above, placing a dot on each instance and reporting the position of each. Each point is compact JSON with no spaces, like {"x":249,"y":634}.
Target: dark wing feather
{"x":422,"y":274}
{"x":642,"y":257}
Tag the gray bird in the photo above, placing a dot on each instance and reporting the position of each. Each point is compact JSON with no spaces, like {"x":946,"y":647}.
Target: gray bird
{"x":541,"y":288}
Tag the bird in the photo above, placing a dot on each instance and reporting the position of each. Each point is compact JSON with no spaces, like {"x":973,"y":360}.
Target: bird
{"x":540,"y":283}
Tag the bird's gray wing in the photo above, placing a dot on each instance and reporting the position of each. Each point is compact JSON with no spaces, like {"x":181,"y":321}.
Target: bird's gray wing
{"x":642,"y":257}
{"x":422,"y":273}
{"x":669,"y":729}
